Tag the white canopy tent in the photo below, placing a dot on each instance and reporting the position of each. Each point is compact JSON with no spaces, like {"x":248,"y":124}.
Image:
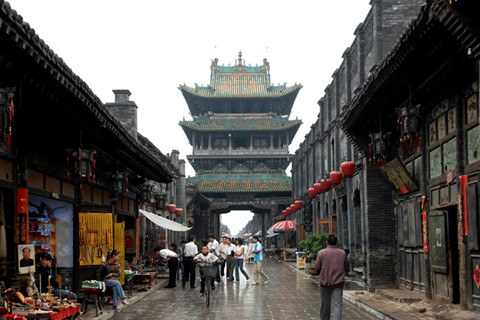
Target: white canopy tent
{"x":163,"y":222}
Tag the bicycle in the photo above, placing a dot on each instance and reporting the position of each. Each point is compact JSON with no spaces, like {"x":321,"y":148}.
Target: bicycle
{"x":209,"y":272}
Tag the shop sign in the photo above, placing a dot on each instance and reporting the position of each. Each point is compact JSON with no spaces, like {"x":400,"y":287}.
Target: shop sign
{"x":476,"y":276}
{"x":399,"y":176}
{"x":340,"y":189}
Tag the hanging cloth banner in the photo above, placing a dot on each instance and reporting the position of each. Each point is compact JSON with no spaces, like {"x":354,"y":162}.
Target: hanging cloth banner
{"x":163,"y":222}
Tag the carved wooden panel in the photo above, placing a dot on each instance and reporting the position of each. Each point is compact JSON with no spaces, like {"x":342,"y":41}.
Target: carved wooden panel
{"x":472,"y":108}
{"x":473,"y":191}
{"x":435,"y":161}
{"x":432,"y":133}
{"x":473,"y":144}
{"x":442,"y":127}
{"x":450,"y":155}
{"x":451,"y":121}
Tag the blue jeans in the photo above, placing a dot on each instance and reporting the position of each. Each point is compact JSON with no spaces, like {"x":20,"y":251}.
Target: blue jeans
{"x":56,"y":292}
{"x":180,"y":269}
{"x":239,"y":265}
{"x":117,"y":290}
{"x":328,"y":296}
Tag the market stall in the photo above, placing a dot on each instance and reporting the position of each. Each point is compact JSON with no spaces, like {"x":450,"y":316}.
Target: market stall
{"x":45,"y":306}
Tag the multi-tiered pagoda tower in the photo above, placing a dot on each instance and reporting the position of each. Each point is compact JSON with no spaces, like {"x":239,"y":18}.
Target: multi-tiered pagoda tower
{"x":240,"y":135}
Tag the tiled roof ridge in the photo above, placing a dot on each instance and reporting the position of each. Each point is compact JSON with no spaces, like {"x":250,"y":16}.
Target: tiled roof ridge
{"x":241,"y":123}
{"x":33,"y":42}
{"x":269,"y":93}
{"x":378,"y":74}
{"x":31,"y":35}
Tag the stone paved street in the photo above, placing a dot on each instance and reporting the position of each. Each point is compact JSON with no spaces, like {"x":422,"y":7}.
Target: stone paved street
{"x":288,"y":295}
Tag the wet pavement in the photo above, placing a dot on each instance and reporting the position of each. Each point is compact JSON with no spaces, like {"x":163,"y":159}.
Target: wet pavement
{"x":288,"y":295}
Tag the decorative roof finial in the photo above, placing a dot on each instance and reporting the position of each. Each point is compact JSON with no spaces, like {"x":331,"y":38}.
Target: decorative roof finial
{"x":240,"y":58}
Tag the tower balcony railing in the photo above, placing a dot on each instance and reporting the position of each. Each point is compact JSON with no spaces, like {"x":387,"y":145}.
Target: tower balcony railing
{"x":199,"y":151}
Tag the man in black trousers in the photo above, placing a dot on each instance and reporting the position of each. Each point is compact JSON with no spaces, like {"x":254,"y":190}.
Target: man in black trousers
{"x":172,"y":263}
{"x":190,"y":251}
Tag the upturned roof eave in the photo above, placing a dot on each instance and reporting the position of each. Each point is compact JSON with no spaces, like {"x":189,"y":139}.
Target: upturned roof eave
{"x":51,"y":66}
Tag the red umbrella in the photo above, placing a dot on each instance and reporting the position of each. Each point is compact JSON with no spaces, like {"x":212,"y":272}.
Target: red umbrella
{"x":283,"y":225}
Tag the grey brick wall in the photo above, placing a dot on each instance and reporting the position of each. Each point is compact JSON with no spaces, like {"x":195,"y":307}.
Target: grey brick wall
{"x":372,"y":239}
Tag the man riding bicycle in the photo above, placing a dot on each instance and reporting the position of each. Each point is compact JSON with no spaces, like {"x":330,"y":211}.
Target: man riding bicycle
{"x":205,"y":259}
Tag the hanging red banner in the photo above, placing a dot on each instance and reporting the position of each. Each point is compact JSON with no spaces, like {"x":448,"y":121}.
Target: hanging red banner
{"x":424,"y":225}
{"x":22,"y":200}
{"x":137,"y":240}
{"x":464,"y":182}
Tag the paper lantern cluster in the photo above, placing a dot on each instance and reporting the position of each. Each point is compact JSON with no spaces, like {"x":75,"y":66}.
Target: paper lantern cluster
{"x":293,"y":208}
{"x":336,"y":177}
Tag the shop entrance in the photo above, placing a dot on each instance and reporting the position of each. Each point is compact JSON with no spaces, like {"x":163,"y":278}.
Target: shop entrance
{"x":444,"y":254}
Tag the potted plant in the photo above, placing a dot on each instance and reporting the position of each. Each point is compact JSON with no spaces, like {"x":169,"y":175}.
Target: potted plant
{"x":311,"y":246}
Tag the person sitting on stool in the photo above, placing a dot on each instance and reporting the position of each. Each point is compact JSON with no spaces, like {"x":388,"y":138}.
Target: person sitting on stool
{"x":46,"y":272}
{"x":109,"y":272}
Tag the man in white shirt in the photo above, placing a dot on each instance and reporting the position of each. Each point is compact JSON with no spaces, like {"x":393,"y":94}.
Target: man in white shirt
{"x":229,"y":252}
{"x":190,"y":252}
{"x":205,"y":258}
{"x":223,"y":256}
{"x":214,"y":247}
{"x":172,"y":263}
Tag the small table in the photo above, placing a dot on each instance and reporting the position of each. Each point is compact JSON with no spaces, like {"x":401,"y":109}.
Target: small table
{"x":144,"y":278}
{"x":97,"y":300}
{"x":58,"y":315}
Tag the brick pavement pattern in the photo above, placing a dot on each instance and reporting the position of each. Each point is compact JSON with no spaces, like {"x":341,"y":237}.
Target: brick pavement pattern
{"x":288,"y":295}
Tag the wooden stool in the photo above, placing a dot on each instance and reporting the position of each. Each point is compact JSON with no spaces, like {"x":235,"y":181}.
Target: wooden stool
{"x":96,"y":299}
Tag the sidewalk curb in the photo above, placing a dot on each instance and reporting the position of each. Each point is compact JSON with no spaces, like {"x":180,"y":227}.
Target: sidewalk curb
{"x":347,"y":297}
{"x":109,"y":314}
{"x":364,"y":307}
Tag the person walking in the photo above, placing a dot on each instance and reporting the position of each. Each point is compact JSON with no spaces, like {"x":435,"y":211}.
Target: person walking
{"x":239,"y":258}
{"x":258,"y":260}
{"x":223,"y":256}
{"x":333,"y":264}
{"x":214,"y":247}
{"x":179,"y":251}
{"x":191,"y":250}
{"x":230,"y":253}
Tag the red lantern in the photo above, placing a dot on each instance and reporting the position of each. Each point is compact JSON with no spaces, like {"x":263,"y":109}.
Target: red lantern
{"x":293,"y":208}
{"x":171,"y":208}
{"x":288,"y":210}
{"x":179,"y":212}
{"x":284,"y":213}
{"x":299,"y":204}
{"x":348,"y":168}
{"x":312,"y":193}
{"x":336,"y":177}
{"x":318,"y":188}
{"x":326,"y":184}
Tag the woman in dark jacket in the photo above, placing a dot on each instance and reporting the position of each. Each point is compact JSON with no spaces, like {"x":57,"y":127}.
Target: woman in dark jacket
{"x":109,"y":272}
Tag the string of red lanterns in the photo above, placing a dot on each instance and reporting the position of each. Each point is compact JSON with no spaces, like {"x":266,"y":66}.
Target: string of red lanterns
{"x":347,"y":170}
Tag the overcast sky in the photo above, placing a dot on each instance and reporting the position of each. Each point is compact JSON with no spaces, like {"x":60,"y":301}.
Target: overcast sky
{"x":150,"y":47}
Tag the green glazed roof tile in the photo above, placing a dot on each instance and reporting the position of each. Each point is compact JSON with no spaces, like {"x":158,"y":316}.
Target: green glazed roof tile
{"x":241,"y":183}
{"x":236,"y":123}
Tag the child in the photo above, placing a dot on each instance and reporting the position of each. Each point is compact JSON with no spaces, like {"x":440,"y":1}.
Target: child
{"x":205,"y":258}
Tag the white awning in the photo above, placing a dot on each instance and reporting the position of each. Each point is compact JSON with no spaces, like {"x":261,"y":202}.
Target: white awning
{"x":163,"y":222}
